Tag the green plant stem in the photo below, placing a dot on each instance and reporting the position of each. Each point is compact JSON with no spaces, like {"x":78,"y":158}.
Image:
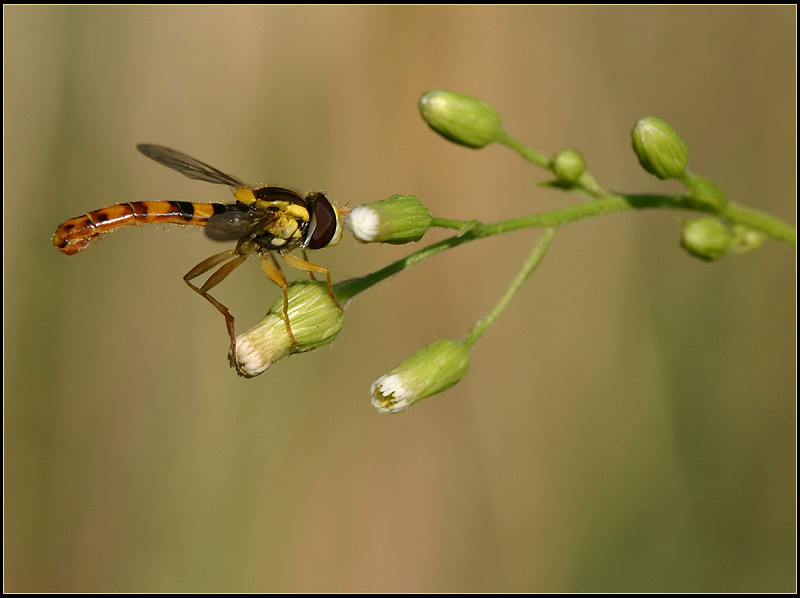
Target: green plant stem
{"x":765,"y":223}
{"x":347,"y":289}
{"x":473,"y":230}
{"x":523,"y":150}
{"x":534,"y":259}
{"x":769,"y":225}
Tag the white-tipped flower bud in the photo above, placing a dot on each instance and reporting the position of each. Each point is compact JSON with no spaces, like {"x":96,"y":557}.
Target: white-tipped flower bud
{"x":431,"y":370}
{"x":396,"y":220}
{"x":315,"y":320}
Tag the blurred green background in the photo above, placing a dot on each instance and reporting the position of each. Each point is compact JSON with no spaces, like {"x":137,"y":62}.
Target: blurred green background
{"x":629,"y":423}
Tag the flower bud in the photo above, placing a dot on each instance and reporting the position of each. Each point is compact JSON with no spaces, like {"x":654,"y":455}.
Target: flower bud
{"x":568,"y":166}
{"x":396,"y":220}
{"x":315,"y":321}
{"x":461,"y":118}
{"x":746,"y":239}
{"x":706,"y":238}
{"x":660,"y":150}
{"x":431,"y":370}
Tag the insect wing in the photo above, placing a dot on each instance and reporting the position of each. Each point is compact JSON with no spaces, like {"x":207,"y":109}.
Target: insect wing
{"x":188,"y":166}
{"x":232,"y":225}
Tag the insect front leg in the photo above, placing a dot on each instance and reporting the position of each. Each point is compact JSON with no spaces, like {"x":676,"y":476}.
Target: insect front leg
{"x":273,"y":271}
{"x":306,"y":266}
{"x":305,"y":258}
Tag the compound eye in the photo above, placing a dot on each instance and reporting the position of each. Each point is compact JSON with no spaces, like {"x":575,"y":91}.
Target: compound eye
{"x":325,"y":226}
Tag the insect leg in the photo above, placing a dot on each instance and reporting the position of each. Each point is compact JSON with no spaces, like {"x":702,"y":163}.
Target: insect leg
{"x":234,"y":258}
{"x":305,"y":265}
{"x":273,"y":271}
{"x":305,"y":257}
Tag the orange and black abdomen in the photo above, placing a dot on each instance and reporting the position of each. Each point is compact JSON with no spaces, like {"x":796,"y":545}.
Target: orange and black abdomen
{"x":76,"y":233}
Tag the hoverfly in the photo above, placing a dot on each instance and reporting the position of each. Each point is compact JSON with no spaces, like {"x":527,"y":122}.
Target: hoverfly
{"x":263,"y":219}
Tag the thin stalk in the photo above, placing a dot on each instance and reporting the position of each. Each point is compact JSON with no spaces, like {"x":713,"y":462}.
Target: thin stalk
{"x":523,"y":150}
{"x":534,"y":259}
{"x":471,"y":230}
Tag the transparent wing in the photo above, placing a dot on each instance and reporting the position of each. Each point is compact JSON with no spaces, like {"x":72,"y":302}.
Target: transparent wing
{"x":235,"y":224}
{"x":186,"y":165}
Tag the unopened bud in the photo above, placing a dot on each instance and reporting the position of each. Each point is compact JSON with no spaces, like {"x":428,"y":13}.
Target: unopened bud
{"x":568,"y":166}
{"x":660,"y":150}
{"x":461,"y":118}
{"x":706,"y":238}
{"x":746,"y":239}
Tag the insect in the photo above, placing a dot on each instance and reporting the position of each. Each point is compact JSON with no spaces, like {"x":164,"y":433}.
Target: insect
{"x":263,"y":219}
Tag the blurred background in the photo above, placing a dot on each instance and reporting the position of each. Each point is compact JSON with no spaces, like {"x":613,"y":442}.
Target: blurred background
{"x":628,"y":424}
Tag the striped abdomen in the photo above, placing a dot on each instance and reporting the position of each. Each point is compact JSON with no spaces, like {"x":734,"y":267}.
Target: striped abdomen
{"x":76,"y":233}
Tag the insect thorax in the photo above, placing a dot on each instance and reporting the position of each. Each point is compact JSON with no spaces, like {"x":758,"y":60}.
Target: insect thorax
{"x":285,"y":226}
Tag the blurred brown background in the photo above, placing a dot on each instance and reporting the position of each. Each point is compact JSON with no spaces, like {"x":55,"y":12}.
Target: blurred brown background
{"x":627,"y":425}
